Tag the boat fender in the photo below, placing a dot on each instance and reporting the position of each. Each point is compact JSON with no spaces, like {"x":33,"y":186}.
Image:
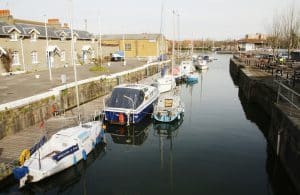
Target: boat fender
{"x":74,"y":160}
{"x":20,"y":172}
{"x":178,"y":117}
{"x":121,"y":118}
{"x":84,"y":156}
{"x":25,"y":154}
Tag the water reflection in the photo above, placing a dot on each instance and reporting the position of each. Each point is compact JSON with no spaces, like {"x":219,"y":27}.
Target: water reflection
{"x":167,"y":132}
{"x":131,"y":135}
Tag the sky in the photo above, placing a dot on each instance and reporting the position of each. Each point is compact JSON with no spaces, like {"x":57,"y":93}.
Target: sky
{"x":198,"y":19}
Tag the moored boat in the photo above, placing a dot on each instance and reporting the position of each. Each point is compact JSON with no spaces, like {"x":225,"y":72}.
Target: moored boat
{"x":186,"y":67}
{"x":201,"y":64}
{"x":63,"y":150}
{"x":168,"y":108}
{"x":130,"y":103}
{"x":192,"y":78}
{"x":164,"y":83}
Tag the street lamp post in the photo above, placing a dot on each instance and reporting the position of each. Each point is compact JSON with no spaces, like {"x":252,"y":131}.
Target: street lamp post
{"x":73,"y":60}
{"x":22,"y":50}
{"x":100,"y":41}
{"x":47,"y":52}
{"x":132,"y":102}
{"x":124,"y":46}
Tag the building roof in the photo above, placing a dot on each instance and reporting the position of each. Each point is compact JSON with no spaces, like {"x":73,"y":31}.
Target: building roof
{"x":26,"y":30}
{"x":143,"y":36}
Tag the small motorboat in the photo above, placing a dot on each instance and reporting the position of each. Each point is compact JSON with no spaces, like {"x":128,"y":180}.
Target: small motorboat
{"x":130,"y":103}
{"x":64,"y":149}
{"x":201,"y":64}
{"x":192,"y":78}
{"x":168,"y":108}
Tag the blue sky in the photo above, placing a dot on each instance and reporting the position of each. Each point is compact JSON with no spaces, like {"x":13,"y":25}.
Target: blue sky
{"x":215,"y":19}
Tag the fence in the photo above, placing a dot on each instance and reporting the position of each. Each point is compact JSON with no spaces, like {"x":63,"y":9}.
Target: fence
{"x":288,"y":98}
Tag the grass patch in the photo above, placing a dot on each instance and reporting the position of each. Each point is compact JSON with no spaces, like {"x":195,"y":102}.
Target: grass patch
{"x":97,"y":68}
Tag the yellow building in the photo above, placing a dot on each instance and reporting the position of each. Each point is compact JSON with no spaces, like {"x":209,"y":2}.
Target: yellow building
{"x":138,"y":45}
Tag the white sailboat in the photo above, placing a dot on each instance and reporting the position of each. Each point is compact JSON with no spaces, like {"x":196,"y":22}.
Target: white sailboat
{"x":169,"y":106}
{"x":64,"y":149}
{"x":166,"y":82}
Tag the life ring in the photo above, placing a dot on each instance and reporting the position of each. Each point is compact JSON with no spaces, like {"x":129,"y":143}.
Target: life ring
{"x":25,"y":154}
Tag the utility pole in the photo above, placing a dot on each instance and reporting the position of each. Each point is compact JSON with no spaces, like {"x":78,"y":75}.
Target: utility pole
{"x":73,"y":60}
{"x":47,"y":52}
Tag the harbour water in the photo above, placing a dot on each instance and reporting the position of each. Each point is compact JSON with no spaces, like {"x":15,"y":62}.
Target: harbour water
{"x":218,"y":148}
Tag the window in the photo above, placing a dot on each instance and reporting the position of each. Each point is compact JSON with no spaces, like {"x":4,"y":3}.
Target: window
{"x":63,"y":56}
{"x":33,"y":36}
{"x":15,"y":58}
{"x":14,"y":36}
{"x":127,"y":47}
{"x":34,"y":57}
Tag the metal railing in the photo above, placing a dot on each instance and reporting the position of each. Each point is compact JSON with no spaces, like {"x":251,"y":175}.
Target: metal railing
{"x":290,"y":97}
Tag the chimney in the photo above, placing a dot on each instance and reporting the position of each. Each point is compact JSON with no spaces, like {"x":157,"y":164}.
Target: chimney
{"x":6,"y":17}
{"x":54,"y":22}
{"x":4,"y":12}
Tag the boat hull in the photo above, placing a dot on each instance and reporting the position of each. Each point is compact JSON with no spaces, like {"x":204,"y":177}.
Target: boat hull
{"x":113,"y":116}
{"x":167,"y":118}
{"x":201,"y":67}
{"x":192,"y":79}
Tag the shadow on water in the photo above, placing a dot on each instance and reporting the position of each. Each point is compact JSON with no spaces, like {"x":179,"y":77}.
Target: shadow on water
{"x":63,"y":181}
{"x":280,"y":182}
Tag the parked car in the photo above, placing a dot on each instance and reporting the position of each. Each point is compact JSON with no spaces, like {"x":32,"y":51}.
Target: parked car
{"x":117,"y":56}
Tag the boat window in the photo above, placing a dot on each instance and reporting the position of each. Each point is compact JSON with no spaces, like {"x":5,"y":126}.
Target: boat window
{"x":168,"y":103}
{"x":118,"y":99}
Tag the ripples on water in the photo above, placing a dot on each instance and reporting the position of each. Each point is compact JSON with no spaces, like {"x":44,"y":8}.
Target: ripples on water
{"x":218,"y":148}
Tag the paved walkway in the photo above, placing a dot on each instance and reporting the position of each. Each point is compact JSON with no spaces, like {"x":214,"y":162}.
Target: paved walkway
{"x":20,"y":86}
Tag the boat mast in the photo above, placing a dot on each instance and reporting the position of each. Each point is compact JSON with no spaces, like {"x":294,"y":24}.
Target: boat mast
{"x":178,"y":32}
{"x":73,"y":59}
{"x":173,"y":46}
{"x":161,"y":49}
{"x":192,"y":49}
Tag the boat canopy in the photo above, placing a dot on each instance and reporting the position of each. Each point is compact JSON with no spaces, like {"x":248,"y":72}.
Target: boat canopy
{"x":121,"y":98}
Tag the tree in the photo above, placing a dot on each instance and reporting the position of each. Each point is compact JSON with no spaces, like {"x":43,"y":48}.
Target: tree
{"x":275,"y":33}
{"x":290,"y":25}
{"x":6,"y":59}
